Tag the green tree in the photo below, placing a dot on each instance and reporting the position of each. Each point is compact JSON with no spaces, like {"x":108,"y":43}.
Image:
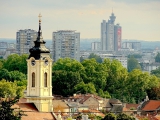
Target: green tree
{"x":1,"y":64}
{"x":123,"y":116}
{"x":137,"y":84}
{"x":81,"y":59}
{"x":156,"y":72}
{"x":104,"y":94}
{"x":64,"y":81}
{"x":16,"y":75}
{"x":133,"y":64}
{"x":154,"y":93}
{"x":96,"y":57}
{"x":10,"y":89}
{"x":94,"y":73}
{"x":68,"y":64}
{"x":157,"y":58}
{"x":67,"y":73}
{"x":110,"y":116}
{"x":85,"y":88}
{"x":12,"y":62}
{"x":5,"y":74}
{"x":16,"y":62}
{"x":153,"y":90}
{"x":116,"y":79}
{"x":9,"y":113}
{"x":12,"y":75}
{"x":23,"y":63}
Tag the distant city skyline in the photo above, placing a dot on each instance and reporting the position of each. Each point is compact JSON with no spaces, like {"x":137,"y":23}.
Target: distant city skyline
{"x":139,"y":18}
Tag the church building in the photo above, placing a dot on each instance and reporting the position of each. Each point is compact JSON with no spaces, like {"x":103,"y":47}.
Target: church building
{"x":39,"y":85}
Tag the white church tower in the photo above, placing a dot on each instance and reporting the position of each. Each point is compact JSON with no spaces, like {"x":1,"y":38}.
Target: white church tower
{"x":39,"y":85}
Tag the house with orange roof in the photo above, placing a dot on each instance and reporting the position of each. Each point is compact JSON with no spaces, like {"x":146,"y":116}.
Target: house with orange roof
{"x":147,"y":117}
{"x":130,"y":108}
{"x":60,"y":106}
{"x":90,"y":101}
{"x":32,"y":113}
{"x":152,"y":105}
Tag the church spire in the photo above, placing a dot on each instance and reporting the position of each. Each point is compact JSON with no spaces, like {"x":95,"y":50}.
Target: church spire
{"x":39,"y":31}
{"x":39,"y":44}
{"x":40,"y":38}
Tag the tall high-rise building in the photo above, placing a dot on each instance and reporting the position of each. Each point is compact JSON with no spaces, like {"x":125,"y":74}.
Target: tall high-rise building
{"x":110,"y":34}
{"x":117,"y":37}
{"x":66,"y":43}
{"x":24,"y":40}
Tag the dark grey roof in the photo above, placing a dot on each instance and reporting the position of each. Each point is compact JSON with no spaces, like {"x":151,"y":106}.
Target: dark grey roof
{"x":117,"y":108}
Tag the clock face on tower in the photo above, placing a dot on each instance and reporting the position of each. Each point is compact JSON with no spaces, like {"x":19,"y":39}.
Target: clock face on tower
{"x":46,"y":61}
{"x":33,"y":62}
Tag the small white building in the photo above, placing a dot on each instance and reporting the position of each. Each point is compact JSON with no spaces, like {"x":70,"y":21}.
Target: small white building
{"x":120,"y":58}
{"x":152,"y":66}
{"x":96,"y":46}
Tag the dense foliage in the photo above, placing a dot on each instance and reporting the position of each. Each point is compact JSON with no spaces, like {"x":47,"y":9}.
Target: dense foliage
{"x":120,"y":116}
{"x":9,"y":113}
{"x":156,"y":72}
{"x":13,"y":79}
{"x":157,"y":58}
{"x":16,"y":62}
{"x":11,"y":89}
{"x":132,"y":64}
{"x":96,"y":57}
{"x":106,"y":79}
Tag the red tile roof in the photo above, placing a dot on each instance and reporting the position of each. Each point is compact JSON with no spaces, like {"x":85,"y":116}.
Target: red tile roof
{"x":129,"y":106}
{"x":152,"y":105}
{"x":148,"y":117}
{"x":32,"y":113}
{"x":125,"y":109}
{"x":84,"y":99}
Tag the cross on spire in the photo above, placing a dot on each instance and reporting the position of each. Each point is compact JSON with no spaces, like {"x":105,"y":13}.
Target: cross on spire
{"x":40,"y":17}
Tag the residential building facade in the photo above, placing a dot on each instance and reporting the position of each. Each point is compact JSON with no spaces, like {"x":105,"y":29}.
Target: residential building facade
{"x":122,"y":59}
{"x":132,"y":45}
{"x":66,"y":43}
{"x":95,"y":46}
{"x":6,"y":49}
{"x":25,"y":40}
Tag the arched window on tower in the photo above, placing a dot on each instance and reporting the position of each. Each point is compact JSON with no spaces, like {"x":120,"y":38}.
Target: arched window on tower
{"x":45,"y":79}
{"x":33,"y":79}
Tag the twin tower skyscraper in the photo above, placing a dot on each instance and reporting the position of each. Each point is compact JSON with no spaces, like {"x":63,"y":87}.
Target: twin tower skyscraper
{"x":110,"y":35}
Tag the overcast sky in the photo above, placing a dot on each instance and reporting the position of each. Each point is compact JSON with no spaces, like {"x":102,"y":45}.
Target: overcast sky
{"x":140,"y":19}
